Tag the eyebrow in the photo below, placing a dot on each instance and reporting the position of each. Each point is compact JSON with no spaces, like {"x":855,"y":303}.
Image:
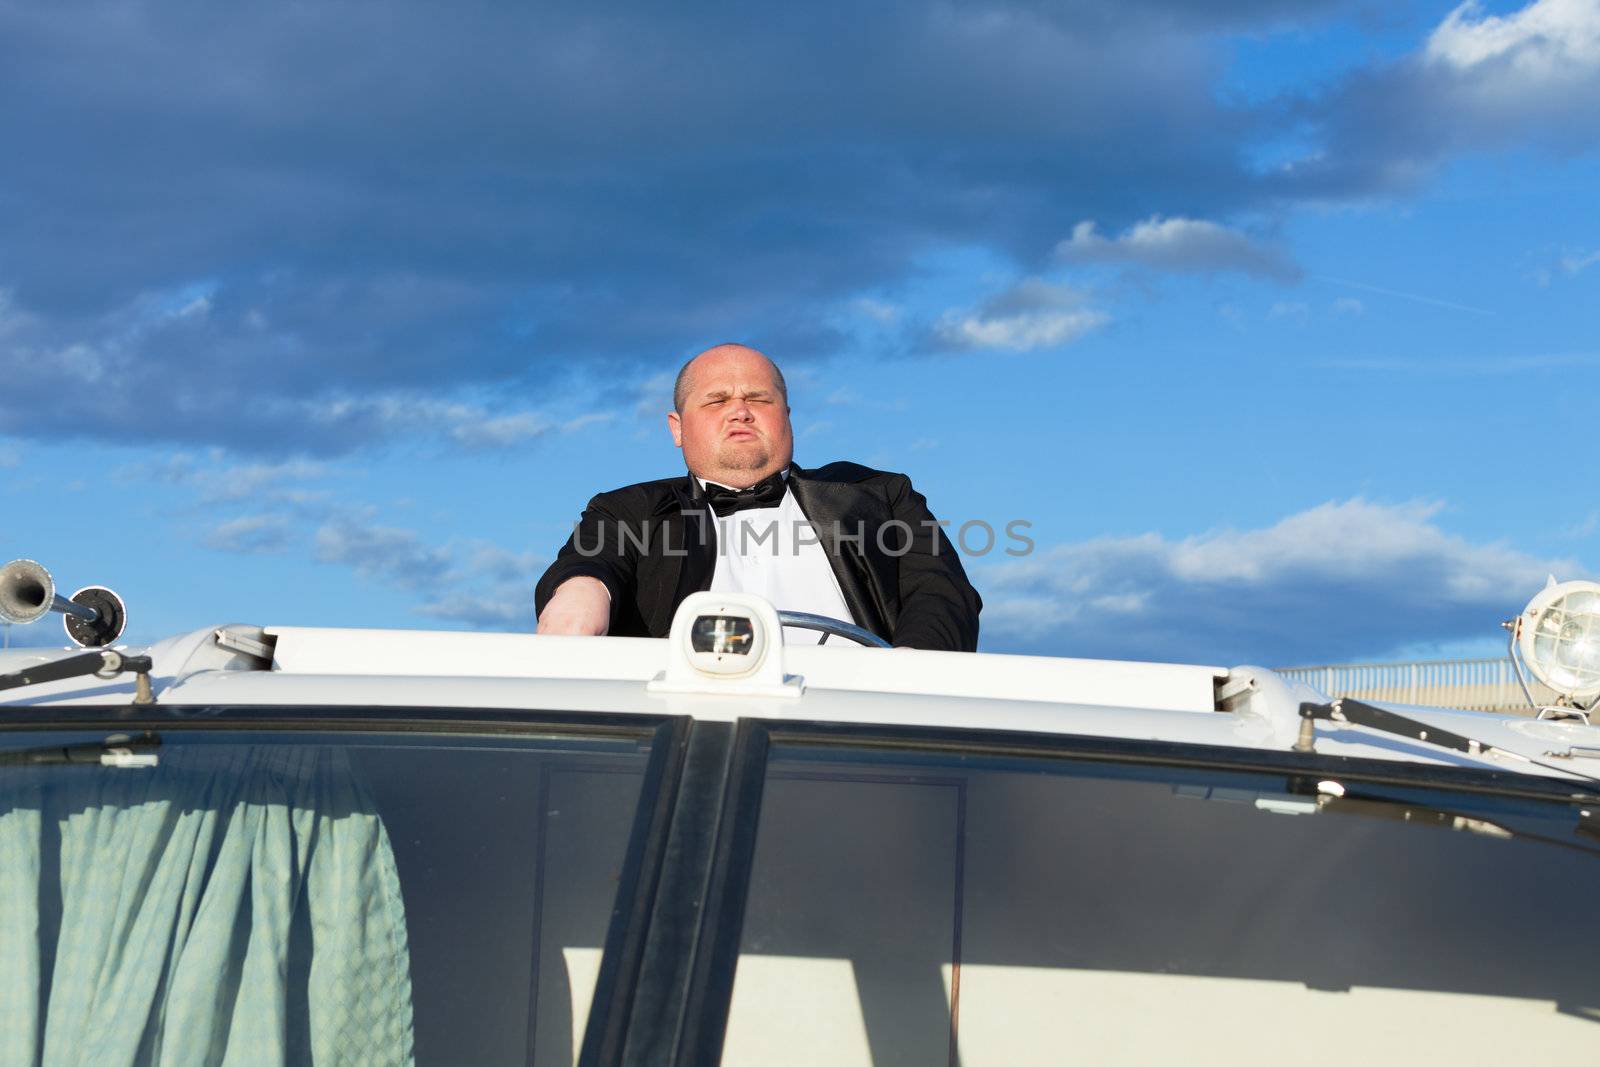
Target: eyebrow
{"x":748,"y":394}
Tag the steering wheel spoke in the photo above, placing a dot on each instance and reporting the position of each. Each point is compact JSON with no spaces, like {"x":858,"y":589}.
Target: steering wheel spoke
{"x":804,"y":620}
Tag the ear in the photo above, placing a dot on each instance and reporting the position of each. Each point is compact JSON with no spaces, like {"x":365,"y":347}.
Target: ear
{"x":675,"y":424}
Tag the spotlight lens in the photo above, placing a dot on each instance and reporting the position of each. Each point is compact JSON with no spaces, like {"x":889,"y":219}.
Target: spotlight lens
{"x":1578,"y":650}
{"x":1561,"y":640}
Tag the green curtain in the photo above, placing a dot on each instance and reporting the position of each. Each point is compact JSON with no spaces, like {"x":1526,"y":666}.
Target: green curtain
{"x":235,"y":905}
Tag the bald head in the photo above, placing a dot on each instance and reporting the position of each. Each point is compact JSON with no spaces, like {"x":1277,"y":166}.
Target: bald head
{"x":683,"y":383}
{"x":731,"y":416}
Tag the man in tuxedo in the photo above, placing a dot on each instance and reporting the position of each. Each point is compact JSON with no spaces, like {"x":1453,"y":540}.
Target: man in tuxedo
{"x":843,"y":540}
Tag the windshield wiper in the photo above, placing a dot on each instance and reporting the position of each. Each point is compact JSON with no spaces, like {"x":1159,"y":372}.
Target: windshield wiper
{"x":118,"y":750}
{"x":1346,"y":710}
{"x":1311,"y":795}
{"x":102,"y":663}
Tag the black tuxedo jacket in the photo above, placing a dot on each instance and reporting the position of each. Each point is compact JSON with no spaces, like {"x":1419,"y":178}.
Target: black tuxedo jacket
{"x":654,"y":543}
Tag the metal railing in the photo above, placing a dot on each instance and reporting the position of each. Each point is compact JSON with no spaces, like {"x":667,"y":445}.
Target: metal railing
{"x":1474,"y":684}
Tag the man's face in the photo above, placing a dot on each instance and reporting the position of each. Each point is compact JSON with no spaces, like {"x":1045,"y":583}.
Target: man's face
{"x":734,"y":428}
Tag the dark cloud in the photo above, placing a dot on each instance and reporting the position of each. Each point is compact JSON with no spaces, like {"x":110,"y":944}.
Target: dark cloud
{"x":305,"y":227}
{"x":223,"y":226}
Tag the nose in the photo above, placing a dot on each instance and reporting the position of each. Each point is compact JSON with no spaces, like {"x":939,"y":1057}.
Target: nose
{"x":740,"y":411}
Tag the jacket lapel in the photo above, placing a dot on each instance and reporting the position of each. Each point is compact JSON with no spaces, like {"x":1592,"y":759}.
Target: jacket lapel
{"x":846,"y":519}
{"x":689,"y":561}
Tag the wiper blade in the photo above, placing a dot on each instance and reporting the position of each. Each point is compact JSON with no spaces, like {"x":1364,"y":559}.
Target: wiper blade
{"x":1346,"y":710}
{"x":118,"y":750}
{"x":103,"y":663}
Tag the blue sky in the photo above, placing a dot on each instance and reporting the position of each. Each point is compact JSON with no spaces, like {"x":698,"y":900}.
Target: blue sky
{"x":1275,"y":320}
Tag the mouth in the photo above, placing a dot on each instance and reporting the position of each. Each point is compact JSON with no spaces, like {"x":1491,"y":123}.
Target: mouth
{"x":741,"y":435}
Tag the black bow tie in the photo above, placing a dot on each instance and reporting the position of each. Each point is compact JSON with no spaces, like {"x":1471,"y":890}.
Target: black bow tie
{"x":764,"y":494}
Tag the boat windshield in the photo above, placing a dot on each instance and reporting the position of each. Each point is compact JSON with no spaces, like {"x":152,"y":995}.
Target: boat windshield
{"x":292,"y":897}
{"x":945,"y":906}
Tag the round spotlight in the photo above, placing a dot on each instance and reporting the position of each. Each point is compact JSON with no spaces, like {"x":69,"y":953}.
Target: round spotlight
{"x":1558,"y":635}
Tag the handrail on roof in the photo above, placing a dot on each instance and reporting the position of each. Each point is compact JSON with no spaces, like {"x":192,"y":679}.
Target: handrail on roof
{"x":1476,"y":684}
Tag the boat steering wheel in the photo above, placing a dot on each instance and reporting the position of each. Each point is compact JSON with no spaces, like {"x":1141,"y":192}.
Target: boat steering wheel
{"x":831,"y":627}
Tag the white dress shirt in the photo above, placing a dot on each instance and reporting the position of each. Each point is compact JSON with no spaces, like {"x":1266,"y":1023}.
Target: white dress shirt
{"x":774,"y":553}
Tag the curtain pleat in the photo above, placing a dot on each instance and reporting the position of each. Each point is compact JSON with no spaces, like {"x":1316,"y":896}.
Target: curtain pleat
{"x":235,"y":905}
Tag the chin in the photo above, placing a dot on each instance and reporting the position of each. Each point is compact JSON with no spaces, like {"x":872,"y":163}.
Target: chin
{"x":739,"y":460}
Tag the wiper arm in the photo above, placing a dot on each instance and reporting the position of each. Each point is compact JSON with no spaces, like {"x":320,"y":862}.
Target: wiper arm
{"x":1310,"y":795}
{"x":118,"y":750}
{"x":103,"y":663}
{"x":1375,"y":805}
{"x":1345,"y":710}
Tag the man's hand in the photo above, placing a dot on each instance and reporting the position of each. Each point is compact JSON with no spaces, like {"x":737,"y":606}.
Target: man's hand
{"x":580,"y":606}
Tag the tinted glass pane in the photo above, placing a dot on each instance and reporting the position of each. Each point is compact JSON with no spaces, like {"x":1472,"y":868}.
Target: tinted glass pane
{"x":938,"y":908}
{"x":289,"y":898}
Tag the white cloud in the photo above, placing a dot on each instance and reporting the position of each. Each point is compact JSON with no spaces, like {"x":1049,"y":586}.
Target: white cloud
{"x":495,"y":611}
{"x":1584,"y":528}
{"x":1023,"y":331}
{"x":1033,"y":314}
{"x":480,"y":430}
{"x":474,"y":582}
{"x":1575,"y":262}
{"x":386,"y":553}
{"x":879,"y":311}
{"x":1480,"y":81}
{"x":1547,"y":42}
{"x":1290,"y":309}
{"x":491,"y":562}
{"x":593,"y":418}
{"x":652,"y":395}
{"x":1341,"y":580}
{"x":217,"y":481}
{"x":10,"y":457}
{"x":1180,"y":244}
{"x":227,"y":400}
{"x":251,"y":534}
{"x":455,"y":581}
{"x":465,"y":422}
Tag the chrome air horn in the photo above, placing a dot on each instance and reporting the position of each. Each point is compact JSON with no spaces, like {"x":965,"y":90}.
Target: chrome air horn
{"x":94,"y":616}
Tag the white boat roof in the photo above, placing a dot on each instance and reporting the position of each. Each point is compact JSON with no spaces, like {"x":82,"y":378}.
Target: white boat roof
{"x":1242,"y":707}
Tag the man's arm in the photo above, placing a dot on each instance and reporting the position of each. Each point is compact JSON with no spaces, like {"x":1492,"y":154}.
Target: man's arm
{"x":938,"y":606}
{"x":580,"y":606}
{"x":594,"y":570}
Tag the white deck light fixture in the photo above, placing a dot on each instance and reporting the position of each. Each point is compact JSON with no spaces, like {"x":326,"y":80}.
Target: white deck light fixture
{"x":1558,"y":637}
{"x":728,"y":643}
